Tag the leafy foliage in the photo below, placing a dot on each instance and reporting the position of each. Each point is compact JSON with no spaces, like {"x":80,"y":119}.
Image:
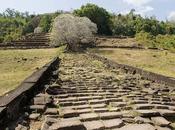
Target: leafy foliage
{"x":159,"y":41}
{"x":14,"y":24}
{"x":45,"y":23}
{"x":148,"y":30}
{"x":130,"y":24}
{"x":97,"y":15}
{"x":146,"y":39}
{"x":31,"y":24}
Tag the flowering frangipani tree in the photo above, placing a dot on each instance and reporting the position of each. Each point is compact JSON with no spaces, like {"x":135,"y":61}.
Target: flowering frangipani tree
{"x":73,"y":31}
{"x":38,"y":30}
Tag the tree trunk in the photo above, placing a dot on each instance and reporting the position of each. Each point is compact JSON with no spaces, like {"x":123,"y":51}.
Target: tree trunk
{"x":73,"y":47}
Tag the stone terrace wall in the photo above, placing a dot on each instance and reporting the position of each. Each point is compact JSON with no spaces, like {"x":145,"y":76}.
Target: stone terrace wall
{"x":12,"y":103}
{"x":128,"y":47}
{"x":31,"y":41}
{"x":145,"y":74}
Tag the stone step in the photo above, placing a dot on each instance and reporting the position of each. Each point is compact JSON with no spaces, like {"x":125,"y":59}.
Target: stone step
{"x":113,"y":123}
{"x":68,"y":124}
{"x":101,"y":105}
{"x":51,"y":111}
{"x":118,"y":104}
{"x":110,"y":115}
{"x":160,"y":121}
{"x":94,"y":125}
{"x":143,"y":106}
{"x":139,"y":102}
{"x":166,"y":113}
{"x":80,"y":103}
{"x":84,"y":111}
{"x":137,"y":127}
{"x":100,"y":110}
{"x":97,"y":101}
{"x":148,"y":113}
{"x":37,"y":108}
{"x":89,"y":117}
{"x":69,"y":99}
{"x":84,"y":106}
{"x":68,"y":113}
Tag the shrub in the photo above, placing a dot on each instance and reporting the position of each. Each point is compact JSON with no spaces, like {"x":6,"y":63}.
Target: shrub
{"x":98,"y":15}
{"x":45,"y":22}
{"x":166,"y":41}
{"x":73,"y":31}
{"x":159,"y":41}
{"x":146,"y":39}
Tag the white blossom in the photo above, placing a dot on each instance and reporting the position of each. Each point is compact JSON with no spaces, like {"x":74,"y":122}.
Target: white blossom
{"x":72,"y":30}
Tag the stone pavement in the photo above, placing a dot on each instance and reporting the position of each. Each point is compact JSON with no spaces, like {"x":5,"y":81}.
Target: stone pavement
{"x":90,"y":96}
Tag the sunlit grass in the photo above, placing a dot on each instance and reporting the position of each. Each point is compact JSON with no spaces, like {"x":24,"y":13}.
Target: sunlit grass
{"x":16,"y":65}
{"x":162,"y":62}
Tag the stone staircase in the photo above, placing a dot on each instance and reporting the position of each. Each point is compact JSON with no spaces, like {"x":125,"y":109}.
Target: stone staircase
{"x":90,"y":96}
{"x":31,"y":41}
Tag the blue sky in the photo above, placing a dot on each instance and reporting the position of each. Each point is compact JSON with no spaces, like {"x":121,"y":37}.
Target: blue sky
{"x":162,"y":9}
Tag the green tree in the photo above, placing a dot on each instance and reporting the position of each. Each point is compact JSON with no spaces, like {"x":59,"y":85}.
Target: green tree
{"x":97,"y":15}
{"x":31,"y":25}
{"x":45,"y":23}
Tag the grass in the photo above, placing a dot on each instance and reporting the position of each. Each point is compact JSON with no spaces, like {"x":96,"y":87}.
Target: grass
{"x":161,"y":62}
{"x":116,"y":42}
{"x":16,"y":65}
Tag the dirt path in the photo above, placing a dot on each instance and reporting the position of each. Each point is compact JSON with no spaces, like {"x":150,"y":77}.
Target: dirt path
{"x":90,"y":96}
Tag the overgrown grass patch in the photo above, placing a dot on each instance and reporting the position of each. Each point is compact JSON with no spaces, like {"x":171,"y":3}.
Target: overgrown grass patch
{"x":16,"y":65}
{"x":161,"y":62}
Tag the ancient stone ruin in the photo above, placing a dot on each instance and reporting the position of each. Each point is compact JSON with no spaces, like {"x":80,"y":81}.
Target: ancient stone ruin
{"x":85,"y":94}
{"x":34,"y":40}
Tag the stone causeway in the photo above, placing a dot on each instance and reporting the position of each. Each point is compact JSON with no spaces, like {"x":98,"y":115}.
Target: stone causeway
{"x":88,"y":95}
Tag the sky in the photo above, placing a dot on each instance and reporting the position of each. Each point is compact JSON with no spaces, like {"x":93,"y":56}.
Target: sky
{"x":161,"y":9}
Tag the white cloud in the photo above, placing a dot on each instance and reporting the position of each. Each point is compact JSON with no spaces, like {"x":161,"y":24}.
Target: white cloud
{"x":171,"y":16}
{"x":137,"y":3}
{"x":141,"y":6}
{"x":144,"y":9}
{"x":141,"y":10}
{"x":124,"y":12}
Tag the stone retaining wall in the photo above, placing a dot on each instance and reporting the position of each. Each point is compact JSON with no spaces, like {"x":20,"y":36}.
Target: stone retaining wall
{"x":145,"y":74}
{"x":13,"y":47}
{"x":128,"y":47}
{"x":115,"y":36}
{"x":12,"y":103}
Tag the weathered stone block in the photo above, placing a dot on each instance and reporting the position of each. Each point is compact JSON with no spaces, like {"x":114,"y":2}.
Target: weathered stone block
{"x":68,"y":124}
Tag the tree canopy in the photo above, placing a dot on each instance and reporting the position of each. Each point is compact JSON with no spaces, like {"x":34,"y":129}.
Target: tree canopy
{"x":130,"y":24}
{"x":97,"y":15}
{"x":14,"y":23}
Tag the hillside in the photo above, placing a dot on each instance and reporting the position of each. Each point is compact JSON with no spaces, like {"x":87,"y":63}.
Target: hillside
{"x":16,"y":65}
{"x":126,"y":51}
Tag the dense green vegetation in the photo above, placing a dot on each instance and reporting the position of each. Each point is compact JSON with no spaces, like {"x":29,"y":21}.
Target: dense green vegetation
{"x":14,"y":24}
{"x":159,"y":41}
{"x":148,"y":30}
{"x":131,"y":24}
{"x":97,"y":15}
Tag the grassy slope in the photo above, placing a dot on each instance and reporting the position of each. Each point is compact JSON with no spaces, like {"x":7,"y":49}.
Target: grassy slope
{"x":16,"y":65}
{"x":161,"y":62}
